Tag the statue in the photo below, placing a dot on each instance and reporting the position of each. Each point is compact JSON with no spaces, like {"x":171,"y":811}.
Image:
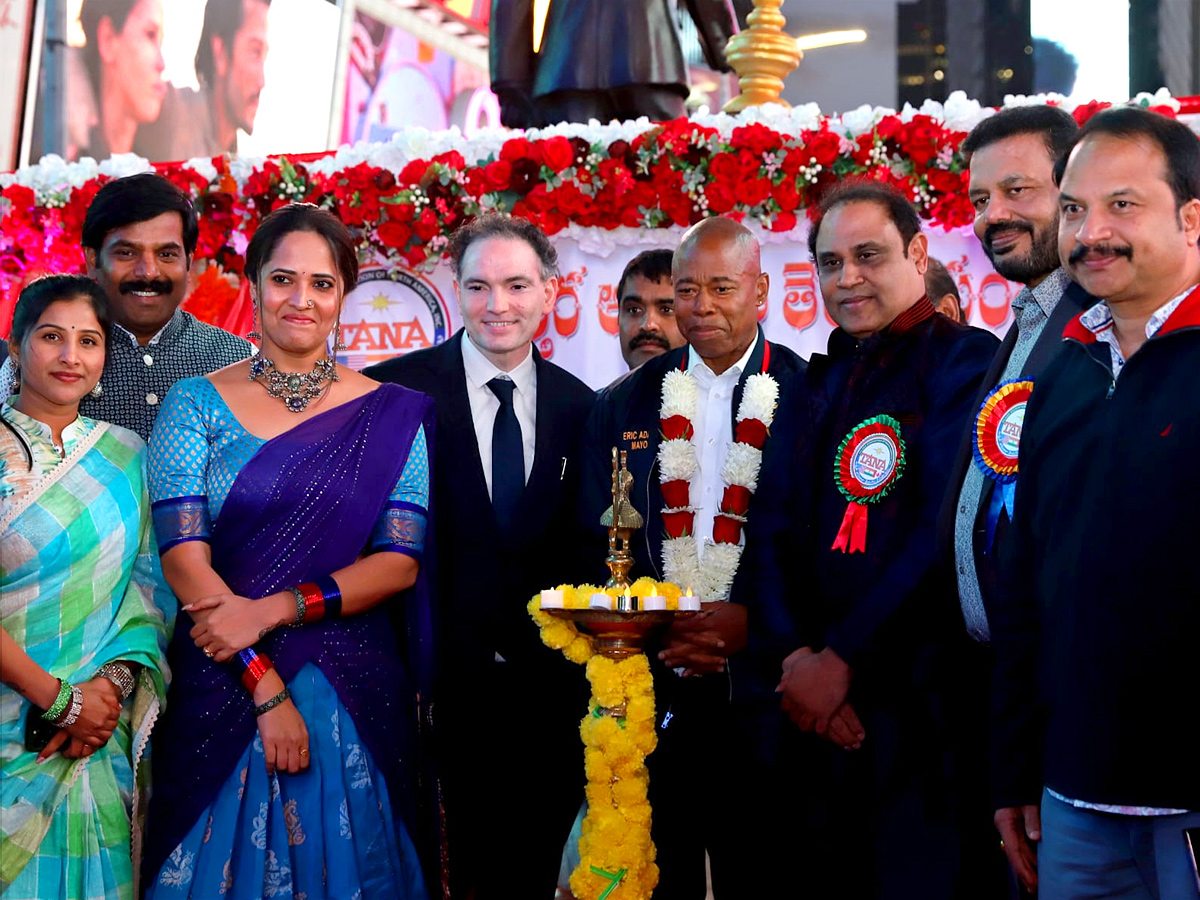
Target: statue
{"x":621,"y":520}
{"x":582,"y":73}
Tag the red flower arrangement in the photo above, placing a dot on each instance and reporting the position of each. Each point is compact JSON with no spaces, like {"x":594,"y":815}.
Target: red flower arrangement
{"x":675,"y":173}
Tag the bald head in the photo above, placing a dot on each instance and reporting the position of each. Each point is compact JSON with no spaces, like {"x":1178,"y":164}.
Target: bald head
{"x":719,"y":289}
{"x":719,"y":231}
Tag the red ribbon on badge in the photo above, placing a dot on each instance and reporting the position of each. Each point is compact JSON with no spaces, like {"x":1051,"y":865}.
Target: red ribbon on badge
{"x":867,"y":465}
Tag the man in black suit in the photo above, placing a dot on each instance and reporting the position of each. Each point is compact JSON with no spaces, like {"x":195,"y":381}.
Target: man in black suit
{"x":709,"y":776}
{"x":1011,"y":157}
{"x":506,"y":476}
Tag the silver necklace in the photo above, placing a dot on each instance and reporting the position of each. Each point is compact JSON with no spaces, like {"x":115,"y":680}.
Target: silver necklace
{"x":295,"y":389}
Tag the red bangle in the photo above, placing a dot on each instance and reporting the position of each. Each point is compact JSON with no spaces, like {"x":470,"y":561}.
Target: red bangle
{"x":314,"y":602}
{"x":256,"y":665}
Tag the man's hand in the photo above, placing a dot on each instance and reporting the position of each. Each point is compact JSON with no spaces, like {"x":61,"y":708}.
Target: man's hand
{"x":703,"y":642}
{"x":1020,"y":828}
{"x":814,"y":688}
{"x":845,"y":729}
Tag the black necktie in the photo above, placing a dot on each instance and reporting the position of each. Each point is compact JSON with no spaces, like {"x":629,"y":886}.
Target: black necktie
{"x":508,"y":455}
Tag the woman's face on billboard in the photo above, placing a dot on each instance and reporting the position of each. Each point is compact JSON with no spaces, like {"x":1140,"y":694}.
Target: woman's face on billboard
{"x":133,"y":62}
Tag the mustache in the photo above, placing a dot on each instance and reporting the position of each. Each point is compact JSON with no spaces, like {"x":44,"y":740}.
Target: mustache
{"x":158,"y":286}
{"x":649,"y":337}
{"x":992,"y":231}
{"x":1083,"y":250}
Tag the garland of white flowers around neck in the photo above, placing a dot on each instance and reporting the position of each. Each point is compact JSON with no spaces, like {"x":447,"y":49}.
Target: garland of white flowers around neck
{"x":711,"y":577}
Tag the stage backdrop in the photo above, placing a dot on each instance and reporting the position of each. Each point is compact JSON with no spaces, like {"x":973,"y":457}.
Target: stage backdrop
{"x":388,"y":315}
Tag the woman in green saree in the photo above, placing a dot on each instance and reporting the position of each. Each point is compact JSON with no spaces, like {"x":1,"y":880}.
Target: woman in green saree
{"x":81,"y":636}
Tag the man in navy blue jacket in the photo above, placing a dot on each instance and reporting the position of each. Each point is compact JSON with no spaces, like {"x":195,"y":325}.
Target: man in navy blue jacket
{"x":710,"y":775}
{"x":878,"y":627}
{"x":1095,"y":633}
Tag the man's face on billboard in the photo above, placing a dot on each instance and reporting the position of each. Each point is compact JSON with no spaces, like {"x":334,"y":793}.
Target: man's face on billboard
{"x":240,"y":68}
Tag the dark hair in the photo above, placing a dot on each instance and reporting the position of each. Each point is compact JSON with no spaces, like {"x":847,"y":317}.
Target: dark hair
{"x":502,"y":225}
{"x":1054,"y":67}
{"x":939,"y":281}
{"x":138,"y":198}
{"x":304,"y":217}
{"x":90,"y":15}
{"x":223,"y":19}
{"x":1055,"y":126}
{"x":902,"y":213}
{"x":1176,"y":141}
{"x":39,"y":294}
{"x":653,"y":265}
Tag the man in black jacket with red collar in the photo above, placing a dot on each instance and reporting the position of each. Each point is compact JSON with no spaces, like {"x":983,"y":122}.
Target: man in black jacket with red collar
{"x":1096,"y":626}
{"x":505,"y":481}
{"x":711,"y":529}
{"x":879,"y":633}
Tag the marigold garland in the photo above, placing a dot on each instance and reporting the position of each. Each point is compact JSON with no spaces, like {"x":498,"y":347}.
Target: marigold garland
{"x":616,"y":854}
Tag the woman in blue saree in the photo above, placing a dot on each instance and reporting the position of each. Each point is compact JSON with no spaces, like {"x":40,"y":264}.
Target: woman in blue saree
{"x":290,"y":499}
{"x":81,"y":636}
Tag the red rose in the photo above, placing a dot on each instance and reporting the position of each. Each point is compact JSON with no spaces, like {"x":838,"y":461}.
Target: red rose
{"x":724,"y":167}
{"x":676,"y":494}
{"x":519,"y":148}
{"x":752,"y":432}
{"x":735,"y":500}
{"x":618,"y":149}
{"x":571,"y":200}
{"x":944,"y":182}
{"x":824,"y":147}
{"x":753,"y":191}
{"x":394,"y":235}
{"x":756,"y":138}
{"x":399,"y":212}
{"x":1167,"y":111}
{"x":525,"y":174}
{"x":475,"y":183}
{"x":720,"y":198}
{"x":453,"y":159}
{"x":498,"y":174}
{"x":426,"y":227}
{"x":631,"y":216}
{"x":413,"y":172}
{"x":1083,"y":113}
{"x":678,"y":524}
{"x":581,"y":149}
{"x":674,"y":428}
{"x":384,"y":180}
{"x":888,"y":126}
{"x":786,"y":195}
{"x":553,"y":221}
{"x":558,"y":153}
{"x":726,"y":530}
{"x":785,"y":221}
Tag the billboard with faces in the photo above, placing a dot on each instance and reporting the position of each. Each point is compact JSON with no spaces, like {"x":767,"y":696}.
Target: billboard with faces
{"x":185,"y":78}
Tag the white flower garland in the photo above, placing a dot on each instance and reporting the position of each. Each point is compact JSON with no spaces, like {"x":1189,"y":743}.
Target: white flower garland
{"x":711,"y":577}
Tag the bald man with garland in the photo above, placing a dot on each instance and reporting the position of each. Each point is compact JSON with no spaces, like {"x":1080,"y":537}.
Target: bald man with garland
{"x":685,"y":418}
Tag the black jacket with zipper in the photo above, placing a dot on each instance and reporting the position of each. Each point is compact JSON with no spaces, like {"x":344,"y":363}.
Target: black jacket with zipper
{"x":1096,"y":632}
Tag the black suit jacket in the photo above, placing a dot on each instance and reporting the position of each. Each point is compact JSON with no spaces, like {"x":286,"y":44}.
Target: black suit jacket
{"x":486,"y":576}
{"x":627,"y":416}
{"x":1073,"y":301}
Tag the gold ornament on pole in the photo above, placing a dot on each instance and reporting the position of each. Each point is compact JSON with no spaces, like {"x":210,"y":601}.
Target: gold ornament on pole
{"x":763,"y":56}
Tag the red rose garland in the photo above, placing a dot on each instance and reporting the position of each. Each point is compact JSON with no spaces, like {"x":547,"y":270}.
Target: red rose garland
{"x":711,"y":577}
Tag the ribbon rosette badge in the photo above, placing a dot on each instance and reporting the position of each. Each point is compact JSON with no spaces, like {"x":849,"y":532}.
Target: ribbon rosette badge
{"x":867,"y":465}
{"x":997,"y":443}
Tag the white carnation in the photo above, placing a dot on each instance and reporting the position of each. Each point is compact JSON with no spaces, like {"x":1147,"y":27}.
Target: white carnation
{"x":962,"y":113}
{"x":679,"y":395}
{"x":681,"y":563}
{"x":720,"y":565}
{"x":122,"y":164}
{"x":676,"y":460}
{"x":742,"y":466}
{"x":203,"y":167}
{"x":759,"y":398}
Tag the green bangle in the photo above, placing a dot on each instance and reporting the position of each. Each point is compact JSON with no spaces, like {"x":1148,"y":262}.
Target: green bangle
{"x":61,"y":702}
{"x":273,"y":702}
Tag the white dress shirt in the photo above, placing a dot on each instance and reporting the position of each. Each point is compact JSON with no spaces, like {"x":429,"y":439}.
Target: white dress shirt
{"x":484,"y":404}
{"x":712,"y":431}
